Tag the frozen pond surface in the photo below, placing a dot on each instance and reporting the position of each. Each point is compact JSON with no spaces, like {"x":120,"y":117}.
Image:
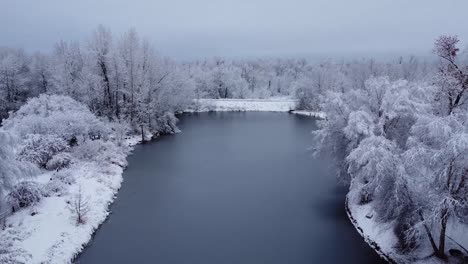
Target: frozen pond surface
{"x":232,"y":188}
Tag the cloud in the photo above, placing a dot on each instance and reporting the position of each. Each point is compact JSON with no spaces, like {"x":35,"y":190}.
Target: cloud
{"x":194,"y":29}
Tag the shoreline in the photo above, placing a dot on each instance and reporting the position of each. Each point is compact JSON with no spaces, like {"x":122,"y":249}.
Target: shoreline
{"x":47,"y":233}
{"x":68,"y":240}
{"x":374,"y":245}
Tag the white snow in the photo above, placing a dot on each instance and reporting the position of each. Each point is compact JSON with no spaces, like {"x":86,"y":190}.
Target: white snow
{"x":270,"y":105}
{"x":51,"y":234}
{"x":372,"y":231}
{"x":259,"y":105}
{"x":320,"y":115}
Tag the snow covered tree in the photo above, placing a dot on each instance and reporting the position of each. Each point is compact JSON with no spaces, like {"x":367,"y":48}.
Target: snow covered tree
{"x":67,"y":71}
{"x":380,"y":139}
{"x":13,"y":80}
{"x":452,"y":77}
{"x":41,"y":78}
{"x":100,"y":47}
{"x":439,"y":147}
{"x":11,"y":170}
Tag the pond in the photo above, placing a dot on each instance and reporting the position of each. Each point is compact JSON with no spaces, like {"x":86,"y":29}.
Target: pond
{"x":233,"y":187}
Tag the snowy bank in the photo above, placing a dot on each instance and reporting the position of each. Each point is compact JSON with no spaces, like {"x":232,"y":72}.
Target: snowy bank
{"x":48,"y":232}
{"x":218,"y":105}
{"x":259,"y":105}
{"x":320,"y":115}
{"x":383,"y":240}
{"x":60,"y":169}
{"x":369,"y":230}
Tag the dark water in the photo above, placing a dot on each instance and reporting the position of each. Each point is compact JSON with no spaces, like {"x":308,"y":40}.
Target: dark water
{"x":236,"y":188}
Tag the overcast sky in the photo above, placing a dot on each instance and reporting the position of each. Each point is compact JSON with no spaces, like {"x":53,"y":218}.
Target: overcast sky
{"x":187,"y":29}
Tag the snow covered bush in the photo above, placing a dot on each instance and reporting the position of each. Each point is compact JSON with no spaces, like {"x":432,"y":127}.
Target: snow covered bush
{"x":59,"y":182}
{"x":24,"y":194}
{"x":65,"y":176}
{"x":39,"y":149}
{"x":56,"y":116}
{"x":166,"y":123}
{"x":308,"y":98}
{"x":55,"y":187}
{"x":101,"y":152}
{"x":120,"y":131}
{"x":59,"y":161}
{"x":406,"y":229}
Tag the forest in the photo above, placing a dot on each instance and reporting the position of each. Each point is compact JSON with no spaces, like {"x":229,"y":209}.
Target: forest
{"x":396,"y":129}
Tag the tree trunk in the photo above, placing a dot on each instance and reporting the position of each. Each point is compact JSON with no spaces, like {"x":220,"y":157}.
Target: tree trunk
{"x":428,"y":232}
{"x":441,"y":252}
{"x":44,"y":83}
{"x":431,"y":238}
{"x":142,"y":134}
{"x":117,"y":107}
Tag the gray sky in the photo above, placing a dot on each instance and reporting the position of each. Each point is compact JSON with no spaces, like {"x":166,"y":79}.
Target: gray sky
{"x":187,"y":29}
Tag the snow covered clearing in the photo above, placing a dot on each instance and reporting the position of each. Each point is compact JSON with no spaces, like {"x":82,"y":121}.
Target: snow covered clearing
{"x":269,"y":105}
{"x":259,"y":105}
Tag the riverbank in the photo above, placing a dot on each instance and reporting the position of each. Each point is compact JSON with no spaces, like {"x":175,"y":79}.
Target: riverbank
{"x":47,"y":232}
{"x":382,"y":239}
{"x":356,"y":215}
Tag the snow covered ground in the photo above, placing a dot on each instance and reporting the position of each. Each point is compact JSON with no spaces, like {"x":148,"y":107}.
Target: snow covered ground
{"x":271,"y":105}
{"x":265,"y":105}
{"x":47,"y":232}
{"x":382,"y":239}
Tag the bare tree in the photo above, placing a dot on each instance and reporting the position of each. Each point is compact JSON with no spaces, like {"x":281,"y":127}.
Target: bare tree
{"x":80,"y":207}
{"x":452,"y":77}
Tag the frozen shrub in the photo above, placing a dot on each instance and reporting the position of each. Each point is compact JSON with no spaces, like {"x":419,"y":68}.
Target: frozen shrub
{"x":59,"y":161}
{"x":308,"y":99}
{"x":100,"y":151}
{"x":407,"y":235}
{"x":39,"y":149}
{"x":25,"y":194}
{"x":55,"y":187}
{"x":166,"y":124}
{"x":119,"y":131}
{"x":65,"y":176}
{"x":56,"y":115}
